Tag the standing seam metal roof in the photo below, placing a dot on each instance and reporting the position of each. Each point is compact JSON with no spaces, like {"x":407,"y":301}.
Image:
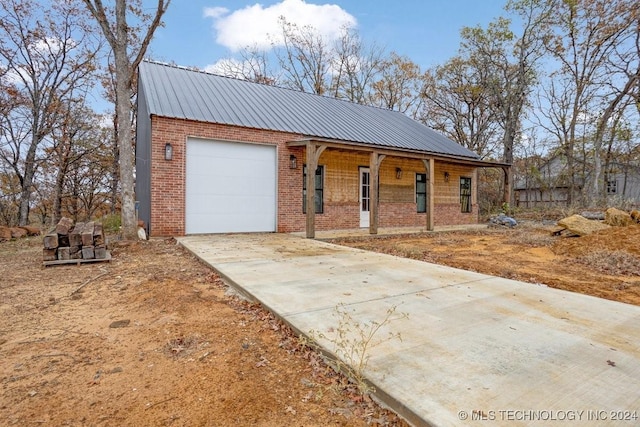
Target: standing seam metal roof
{"x":194,"y":95}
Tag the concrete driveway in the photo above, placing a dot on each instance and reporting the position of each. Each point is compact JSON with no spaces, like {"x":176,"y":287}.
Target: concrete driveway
{"x":475,"y":349}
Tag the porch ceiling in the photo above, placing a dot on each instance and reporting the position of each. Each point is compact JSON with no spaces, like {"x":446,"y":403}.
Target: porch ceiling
{"x":395,"y":152}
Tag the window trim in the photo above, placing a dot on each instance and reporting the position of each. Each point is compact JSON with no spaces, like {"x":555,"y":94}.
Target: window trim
{"x":465,"y":199}
{"x":319,"y":190}
{"x":421,"y":193}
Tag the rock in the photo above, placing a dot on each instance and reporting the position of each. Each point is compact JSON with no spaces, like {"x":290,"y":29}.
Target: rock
{"x":635,"y":215}
{"x":5,"y":234}
{"x":31,"y":231}
{"x":17,"y":232}
{"x":597,"y":215}
{"x":120,"y":323}
{"x":616,"y":217}
{"x":502,"y":219}
{"x":581,"y":226}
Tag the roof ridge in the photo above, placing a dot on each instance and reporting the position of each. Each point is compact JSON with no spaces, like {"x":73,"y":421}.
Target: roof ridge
{"x":173,"y":91}
{"x":209,"y":73}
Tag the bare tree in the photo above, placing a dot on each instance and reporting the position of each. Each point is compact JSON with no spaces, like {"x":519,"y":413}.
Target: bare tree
{"x":128,"y":51}
{"x":458,"y":103}
{"x":624,"y":66}
{"x":586,"y":39}
{"x":509,"y":62}
{"x":80,"y":147}
{"x":305,"y":58}
{"x":399,"y":86}
{"x":355,"y":67}
{"x":44,"y":55}
{"x":252,"y":64}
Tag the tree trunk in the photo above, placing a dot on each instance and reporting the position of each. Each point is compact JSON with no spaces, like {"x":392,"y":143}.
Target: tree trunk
{"x":124,"y":73}
{"x":27,"y":181}
{"x":119,"y":38}
{"x":56,"y":211}
{"x":114,"y":168}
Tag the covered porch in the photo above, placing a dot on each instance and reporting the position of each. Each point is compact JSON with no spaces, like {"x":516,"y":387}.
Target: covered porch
{"x":312,"y":151}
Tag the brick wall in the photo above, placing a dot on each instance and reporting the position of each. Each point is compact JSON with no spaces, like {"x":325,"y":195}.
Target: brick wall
{"x":450,"y":214}
{"x":341,"y":204}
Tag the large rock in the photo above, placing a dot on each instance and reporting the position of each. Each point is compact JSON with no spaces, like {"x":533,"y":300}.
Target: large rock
{"x":581,"y":226}
{"x":17,"y":232}
{"x":31,"y":231}
{"x":5,"y":234}
{"x":502,"y":219}
{"x":616,"y":217}
{"x":598,"y":215}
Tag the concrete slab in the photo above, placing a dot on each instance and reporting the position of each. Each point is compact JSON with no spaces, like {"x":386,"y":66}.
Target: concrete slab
{"x":475,"y":349}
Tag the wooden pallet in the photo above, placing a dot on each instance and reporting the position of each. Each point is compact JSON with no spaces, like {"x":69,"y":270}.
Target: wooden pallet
{"x":77,"y":261}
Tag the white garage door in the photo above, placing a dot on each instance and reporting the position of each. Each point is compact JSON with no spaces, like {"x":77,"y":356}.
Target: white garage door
{"x":231,"y":187}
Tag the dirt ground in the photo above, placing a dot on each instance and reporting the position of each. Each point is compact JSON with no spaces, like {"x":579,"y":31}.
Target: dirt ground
{"x":153,"y":338}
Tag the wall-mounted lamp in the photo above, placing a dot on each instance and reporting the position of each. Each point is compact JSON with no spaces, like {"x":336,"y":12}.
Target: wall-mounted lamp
{"x":446,"y":177}
{"x":168,"y":151}
{"x":398,"y":173}
{"x":293,"y":162}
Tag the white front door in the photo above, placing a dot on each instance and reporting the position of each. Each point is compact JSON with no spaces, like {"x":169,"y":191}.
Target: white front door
{"x":365,"y":193}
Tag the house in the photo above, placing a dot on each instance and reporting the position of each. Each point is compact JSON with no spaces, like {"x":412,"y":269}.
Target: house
{"x":217,"y":155}
{"x":548,"y":185}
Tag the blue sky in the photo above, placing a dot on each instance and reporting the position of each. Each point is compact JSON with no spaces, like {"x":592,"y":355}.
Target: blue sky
{"x":200,"y":33}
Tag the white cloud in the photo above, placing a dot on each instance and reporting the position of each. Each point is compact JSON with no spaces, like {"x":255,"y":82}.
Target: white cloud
{"x":215,"y":12}
{"x":223,"y":66}
{"x":257,"y":26}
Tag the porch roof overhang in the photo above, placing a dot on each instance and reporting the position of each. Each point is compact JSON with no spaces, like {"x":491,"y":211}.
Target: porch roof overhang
{"x":396,"y":152}
{"x":314,"y":147}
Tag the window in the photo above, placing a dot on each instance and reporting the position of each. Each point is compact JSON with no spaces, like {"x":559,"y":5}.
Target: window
{"x":319,"y":189}
{"x":421,"y":192}
{"x":465,"y":194}
{"x":612,"y":186}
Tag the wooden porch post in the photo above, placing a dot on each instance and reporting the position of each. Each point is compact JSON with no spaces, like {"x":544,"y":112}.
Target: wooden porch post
{"x":429,"y":165}
{"x":313,"y":155}
{"x":374,"y":167}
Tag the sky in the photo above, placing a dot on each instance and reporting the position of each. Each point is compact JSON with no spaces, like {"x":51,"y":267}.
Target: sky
{"x":201,"y":32}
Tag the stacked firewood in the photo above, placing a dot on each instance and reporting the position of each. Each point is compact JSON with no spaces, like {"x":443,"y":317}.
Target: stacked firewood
{"x":82,"y":241}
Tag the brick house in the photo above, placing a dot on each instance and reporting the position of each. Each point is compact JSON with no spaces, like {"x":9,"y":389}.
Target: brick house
{"x":216,"y":155}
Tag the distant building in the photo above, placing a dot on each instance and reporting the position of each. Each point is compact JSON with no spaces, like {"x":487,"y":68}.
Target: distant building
{"x":547,"y":183}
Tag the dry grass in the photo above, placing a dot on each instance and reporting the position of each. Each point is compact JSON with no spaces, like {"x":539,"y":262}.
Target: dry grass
{"x":616,"y":263}
{"x":531,"y":237}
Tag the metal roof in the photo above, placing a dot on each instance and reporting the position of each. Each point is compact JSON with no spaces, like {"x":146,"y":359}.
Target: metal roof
{"x":194,"y":95}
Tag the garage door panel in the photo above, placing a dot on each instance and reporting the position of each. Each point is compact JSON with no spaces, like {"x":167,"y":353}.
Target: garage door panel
{"x":235,"y":206}
{"x":231,"y":187}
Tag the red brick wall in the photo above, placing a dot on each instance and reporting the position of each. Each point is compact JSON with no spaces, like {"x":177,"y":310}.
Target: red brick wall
{"x":168,"y":177}
{"x":450,"y":214}
{"x":168,"y":183}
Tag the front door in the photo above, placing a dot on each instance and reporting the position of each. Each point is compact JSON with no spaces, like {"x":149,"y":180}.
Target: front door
{"x":365,"y":200}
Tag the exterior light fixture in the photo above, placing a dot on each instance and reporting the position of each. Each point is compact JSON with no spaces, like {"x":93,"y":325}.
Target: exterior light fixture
{"x":293,"y":162}
{"x":398,"y":173}
{"x":168,"y":151}
{"x":446,"y":177}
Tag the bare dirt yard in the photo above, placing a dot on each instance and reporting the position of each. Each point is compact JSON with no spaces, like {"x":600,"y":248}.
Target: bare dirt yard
{"x":153,"y":337}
